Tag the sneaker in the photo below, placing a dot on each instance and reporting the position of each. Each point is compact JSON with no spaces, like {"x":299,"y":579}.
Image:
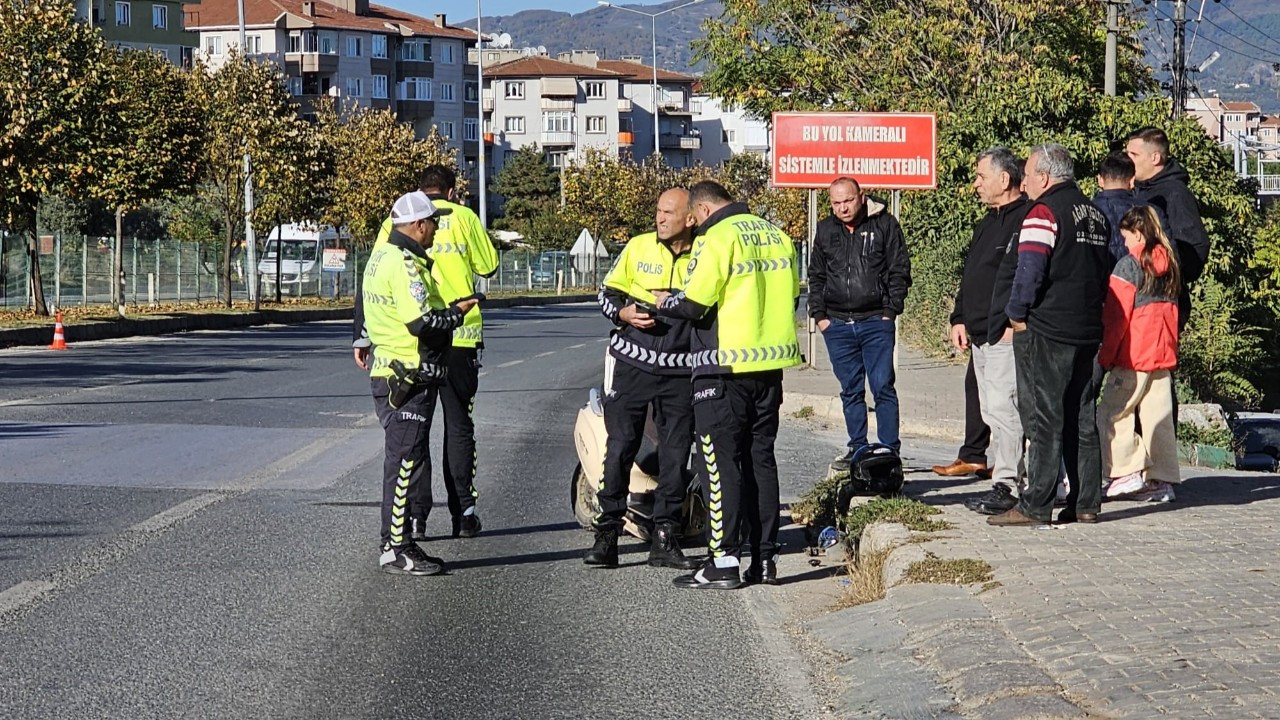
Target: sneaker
{"x":1126,"y":485}
{"x":842,"y":462}
{"x":761,"y":571}
{"x":409,"y":560}
{"x":710,"y":577}
{"x":1160,"y":492}
{"x":467,"y":526}
{"x":417,"y":529}
{"x":999,"y":499}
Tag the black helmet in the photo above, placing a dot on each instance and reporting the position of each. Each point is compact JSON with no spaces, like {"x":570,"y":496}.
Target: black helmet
{"x":873,"y":470}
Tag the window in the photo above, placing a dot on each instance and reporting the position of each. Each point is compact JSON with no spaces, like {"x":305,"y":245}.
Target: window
{"x":594,"y":90}
{"x":446,"y":54}
{"x":378,"y":46}
{"x":728,"y":136}
{"x":310,"y":41}
{"x":122,"y":13}
{"x":471,"y":92}
{"x":295,"y":86}
{"x":355,"y":87}
{"x":446,"y":92}
{"x":417,"y":50}
{"x":557,"y":122}
{"x":514,"y":125}
{"x":596,"y":124}
{"x":252,"y":44}
{"x":213,"y":45}
{"x":379,"y":87}
{"x":355,"y":46}
{"x":470,"y":129}
{"x":328,"y":43}
{"x":416,"y":88}
{"x":295,"y":42}
{"x":446,"y":129}
{"x":159,"y":17}
{"x":558,"y":159}
{"x":514,"y":90}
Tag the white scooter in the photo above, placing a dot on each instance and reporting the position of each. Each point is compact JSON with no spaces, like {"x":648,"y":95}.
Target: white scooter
{"x":589,"y":437}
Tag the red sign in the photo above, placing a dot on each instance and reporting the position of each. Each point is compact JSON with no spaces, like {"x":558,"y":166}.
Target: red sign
{"x":880,"y":150}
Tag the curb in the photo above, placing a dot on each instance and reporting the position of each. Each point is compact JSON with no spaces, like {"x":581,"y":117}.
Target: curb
{"x":831,"y":409}
{"x":185,"y":322}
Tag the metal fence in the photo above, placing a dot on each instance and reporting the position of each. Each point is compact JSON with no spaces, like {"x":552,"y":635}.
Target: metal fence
{"x":76,"y":270}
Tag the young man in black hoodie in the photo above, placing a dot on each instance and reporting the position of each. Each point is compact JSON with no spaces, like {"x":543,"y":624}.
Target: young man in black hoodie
{"x":1162,"y":183}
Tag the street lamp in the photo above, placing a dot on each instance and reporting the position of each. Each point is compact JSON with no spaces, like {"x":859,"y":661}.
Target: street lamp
{"x":251,"y":264}
{"x":653,"y":23}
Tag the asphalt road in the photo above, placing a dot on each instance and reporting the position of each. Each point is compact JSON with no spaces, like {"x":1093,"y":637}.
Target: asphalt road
{"x":189,"y":528}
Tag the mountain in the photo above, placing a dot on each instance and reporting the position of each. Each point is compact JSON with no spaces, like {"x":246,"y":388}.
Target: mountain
{"x":609,"y":31}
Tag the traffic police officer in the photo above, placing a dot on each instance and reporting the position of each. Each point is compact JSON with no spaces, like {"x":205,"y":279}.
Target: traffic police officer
{"x":650,"y":367}
{"x":462,"y":250}
{"x":409,"y":325}
{"x":742,"y":290}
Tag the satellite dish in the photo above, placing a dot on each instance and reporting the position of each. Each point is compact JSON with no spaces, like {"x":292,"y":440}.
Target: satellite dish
{"x":527,"y":52}
{"x":504,"y":40}
{"x":542,"y":49}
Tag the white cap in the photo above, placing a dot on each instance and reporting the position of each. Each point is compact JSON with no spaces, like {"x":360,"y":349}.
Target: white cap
{"x":414,"y":206}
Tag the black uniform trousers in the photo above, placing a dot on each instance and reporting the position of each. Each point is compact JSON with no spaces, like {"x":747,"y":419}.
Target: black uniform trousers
{"x":977,"y":436}
{"x":406,"y":467}
{"x":458,"y":399}
{"x":736,"y":419}
{"x":633,"y":391}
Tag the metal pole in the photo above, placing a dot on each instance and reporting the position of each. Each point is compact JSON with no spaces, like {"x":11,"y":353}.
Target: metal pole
{"x":178,"y":267}
{"x":57,"y":270}
{"x":812,"y":346}
{"x":1179,"y":57}
{"x":84,"y":271}
{"x":198,"y":264}
{"x":1112,"y":30}
{"x":484,"y":215}
{"x":251,"y":269}
{"x":654,"y":28}
{"x":135,"y":270}
{"x":895,"y":205}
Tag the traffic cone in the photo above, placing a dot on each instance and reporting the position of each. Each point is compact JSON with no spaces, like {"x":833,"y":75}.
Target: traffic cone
{"x":59,"y":338}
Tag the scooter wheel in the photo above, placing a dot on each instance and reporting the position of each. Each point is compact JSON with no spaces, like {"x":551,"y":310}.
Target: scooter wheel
{"x":582,"y":498}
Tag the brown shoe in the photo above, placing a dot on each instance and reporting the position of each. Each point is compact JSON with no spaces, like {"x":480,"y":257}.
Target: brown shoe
{"x":1067,"y":516}
{"x":984,"y":473}
{"x":1012,"y":518}
{"x":958,"y":468}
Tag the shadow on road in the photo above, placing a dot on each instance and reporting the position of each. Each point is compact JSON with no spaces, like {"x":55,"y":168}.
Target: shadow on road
{"x":24,"y":430}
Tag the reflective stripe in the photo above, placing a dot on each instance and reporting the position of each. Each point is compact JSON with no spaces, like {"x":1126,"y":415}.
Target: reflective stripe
{"x":715,"y":497}
{"x":762,"y":265}
{"x":652,"y":357}
{"x":724,"y":358}
{"x":398,"y":504}
{"x":468,"y":332}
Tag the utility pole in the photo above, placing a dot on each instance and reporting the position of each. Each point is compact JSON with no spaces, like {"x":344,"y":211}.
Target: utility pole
{"x":484,"y":215}
{"x":251,"y":244}
{"x":1113,"y":28}
{"x":1179,"y":57}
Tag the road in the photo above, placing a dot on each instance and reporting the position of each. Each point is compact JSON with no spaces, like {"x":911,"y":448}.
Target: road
{"x":188,"y":528}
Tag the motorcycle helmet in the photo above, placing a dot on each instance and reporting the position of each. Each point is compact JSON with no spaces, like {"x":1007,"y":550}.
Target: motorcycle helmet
{"x":873,"y":470}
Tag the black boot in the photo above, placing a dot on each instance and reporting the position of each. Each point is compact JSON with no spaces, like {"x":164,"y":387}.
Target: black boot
{"x":665,"y":550}
{"x":761,"y":571}
{"x":417,"y":529}
{"x":605,"y":552}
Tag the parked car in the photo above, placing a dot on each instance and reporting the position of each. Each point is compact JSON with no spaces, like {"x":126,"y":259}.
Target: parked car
{"x":546,"y":266}
{"x":1257,"y":437}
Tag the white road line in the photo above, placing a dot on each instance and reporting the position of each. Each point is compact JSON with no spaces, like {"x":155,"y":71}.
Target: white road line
{"x":176,"y":514}
{"x":24,"y":593}
{"x":513,"y":363}
{"x":575,"y":347}
{"x":545,"y":354}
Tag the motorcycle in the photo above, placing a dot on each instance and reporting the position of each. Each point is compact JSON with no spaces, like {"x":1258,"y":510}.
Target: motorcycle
{"x":589,"y":436}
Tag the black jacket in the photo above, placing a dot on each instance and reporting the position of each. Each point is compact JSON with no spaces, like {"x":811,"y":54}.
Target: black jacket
{"x":859,"y":273}
{"x":992,"y":237}
{"x":1169,"y":193}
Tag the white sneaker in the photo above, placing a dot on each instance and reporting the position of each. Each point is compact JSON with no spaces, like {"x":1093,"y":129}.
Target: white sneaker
{"x":1126,"y":485}
{"x":1161,"y":492}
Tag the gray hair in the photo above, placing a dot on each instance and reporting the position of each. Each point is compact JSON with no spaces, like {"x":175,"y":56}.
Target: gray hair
{"x":1003,"y":161}
{"x":1055,"y":160}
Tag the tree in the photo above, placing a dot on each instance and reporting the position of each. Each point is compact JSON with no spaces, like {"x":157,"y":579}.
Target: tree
{"x":246,"y":107}
{"x":376,"y":158}
{"x":153,"y":150}
{"x":57,"y":105}
{"x":530,"y":186}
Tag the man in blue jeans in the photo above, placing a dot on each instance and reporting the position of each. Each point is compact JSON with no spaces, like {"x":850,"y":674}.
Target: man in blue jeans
{"x":859,"y":275}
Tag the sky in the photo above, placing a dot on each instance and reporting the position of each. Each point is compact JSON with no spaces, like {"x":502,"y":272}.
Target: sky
{"x":466,"y":9}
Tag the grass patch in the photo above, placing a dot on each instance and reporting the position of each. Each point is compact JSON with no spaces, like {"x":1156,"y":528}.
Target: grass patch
{"x":804,"y":412}
{"x":818,"y":506}
{"x":912,"y":513}
{"x":935,"y":570}
{"x":865,"y":575}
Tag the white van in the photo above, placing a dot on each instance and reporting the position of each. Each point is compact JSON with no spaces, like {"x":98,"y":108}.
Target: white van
{"x":302,"y":248}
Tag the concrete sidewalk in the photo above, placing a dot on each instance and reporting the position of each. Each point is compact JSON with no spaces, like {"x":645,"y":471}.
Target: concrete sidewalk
{"x":1160,"y":609}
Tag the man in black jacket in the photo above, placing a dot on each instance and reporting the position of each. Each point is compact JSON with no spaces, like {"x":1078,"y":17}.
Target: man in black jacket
{"x":1162,"y":183}
{"x":997,"y":182}
{"x":859,"y":276}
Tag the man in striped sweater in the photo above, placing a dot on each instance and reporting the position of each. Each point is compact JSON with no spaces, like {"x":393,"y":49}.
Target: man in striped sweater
{"x":1055,"y":310}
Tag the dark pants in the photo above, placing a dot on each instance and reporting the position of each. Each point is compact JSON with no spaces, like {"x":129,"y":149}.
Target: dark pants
{"x":457,"y":400}
{"x":977,"y":436}
{"x":406,"y":467}
{"x":862,"y":354}
{"x":737,"y":424}
{"x":634,"y":390}
{"x":1057,"y":399}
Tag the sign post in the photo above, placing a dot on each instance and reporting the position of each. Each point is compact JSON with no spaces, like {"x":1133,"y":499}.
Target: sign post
{"x":893,"y":151}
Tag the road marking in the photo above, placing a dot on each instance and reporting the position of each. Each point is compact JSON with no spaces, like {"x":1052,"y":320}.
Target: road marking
{"x":176,"y":514}
{"x":545,"y":354}
{"x":575,"y":347}
{"x":486,"y":372}
{"x":24,"y":593}
{"x":513,"y":363}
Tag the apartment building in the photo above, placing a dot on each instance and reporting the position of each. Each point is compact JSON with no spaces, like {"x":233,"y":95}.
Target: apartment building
{"x":1226,"y":121}
{"x":155,"y":25}
{"x":369,"y":54}
{"x":679,"y":138}
{"x":726,"y":131}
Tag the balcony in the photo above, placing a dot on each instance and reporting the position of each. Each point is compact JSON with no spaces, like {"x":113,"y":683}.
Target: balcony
{"x":488,"y":138}
{"x":558,"y":138}
{"x":626,"y":138}
{"x":674,"y":141}
{"x":624,"y":105}
{"x":297,"y":63}
{"x":557,"y":103}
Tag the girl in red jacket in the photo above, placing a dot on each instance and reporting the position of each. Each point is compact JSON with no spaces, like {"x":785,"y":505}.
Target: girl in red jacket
{"x":1140,"y":348}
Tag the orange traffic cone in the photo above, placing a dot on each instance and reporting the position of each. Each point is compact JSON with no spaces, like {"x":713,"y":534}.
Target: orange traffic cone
{"x":59,"y":338}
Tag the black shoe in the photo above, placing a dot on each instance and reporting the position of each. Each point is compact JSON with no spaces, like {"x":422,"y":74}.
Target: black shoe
{"x":417,"y":529}
{"x":409,"y":560}
{"x":605,"y":552}
{"x":466,"y":526}
{"x":710,"y":577}
{"x":761,"y":571}
{"x":999,"y":499}
{"x":665,"y":550}
{"x":841,"y":463}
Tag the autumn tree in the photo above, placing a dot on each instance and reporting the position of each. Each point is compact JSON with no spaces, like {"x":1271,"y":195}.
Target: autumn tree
{"x":57,"y":106}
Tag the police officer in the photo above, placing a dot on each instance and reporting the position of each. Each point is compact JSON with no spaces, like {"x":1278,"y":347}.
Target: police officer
{"x":742,"y":291}
{"x":462,"y":251}
{"x":409,"y":325}
{"x":651,"y":367}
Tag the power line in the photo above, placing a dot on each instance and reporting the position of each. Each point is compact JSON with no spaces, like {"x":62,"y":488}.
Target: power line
{"x":1246,"y":42}
{"x":1255,"y":28}
{"x":1225,"y":47}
